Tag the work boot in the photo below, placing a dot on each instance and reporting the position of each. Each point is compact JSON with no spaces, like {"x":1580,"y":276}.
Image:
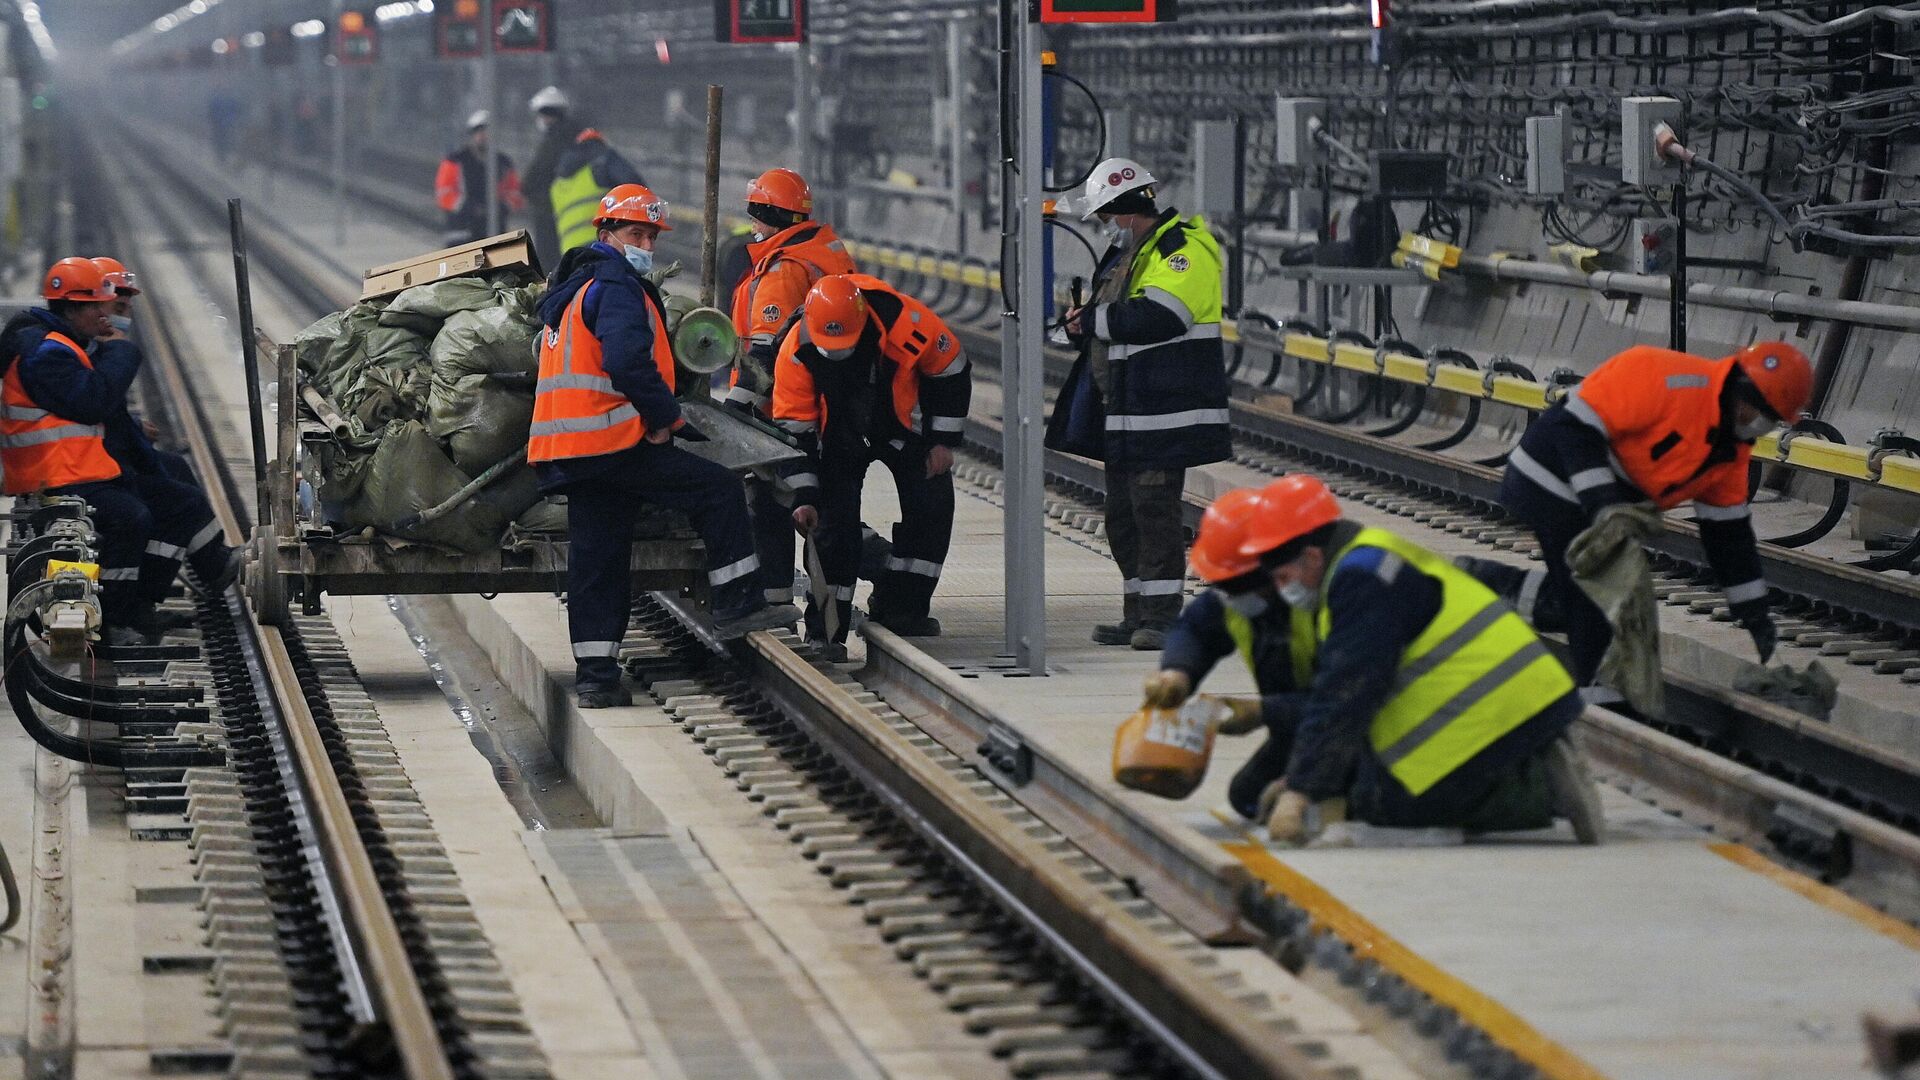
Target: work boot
{"x":229,"y":571}
{"x":755,"y":614}
{"x":833,"y":652}
{"x":1148,"y":637}
{"x":1574,"y":795}
{"x":605,"y":699}
{"x":1120,"y":633}
{"x":908,"y":625}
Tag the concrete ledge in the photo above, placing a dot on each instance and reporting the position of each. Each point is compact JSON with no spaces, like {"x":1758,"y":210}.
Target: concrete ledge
{"x":524,"y":635}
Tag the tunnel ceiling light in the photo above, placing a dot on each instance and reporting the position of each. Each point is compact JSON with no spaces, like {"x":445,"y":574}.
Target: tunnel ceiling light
{"x":254,"y":39}
{"x":165,"y":23}
{"x":309,"y":28}
{"x":37,"y":30}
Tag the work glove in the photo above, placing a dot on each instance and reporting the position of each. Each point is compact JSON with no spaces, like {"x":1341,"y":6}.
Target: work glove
{"x":1757,"y":621}
{"x":1296,"y":819}
{"x":1244,"y":715}
{"x":690,"y":433}
{"x":1167,"y":689}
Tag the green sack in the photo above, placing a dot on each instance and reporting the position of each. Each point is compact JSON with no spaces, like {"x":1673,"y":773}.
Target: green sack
{"x":479,"y":420}
{"x":423,"y":308}
{"x":310,"y":345}
{"x":492,"y":339}
{"x":410,"y":474}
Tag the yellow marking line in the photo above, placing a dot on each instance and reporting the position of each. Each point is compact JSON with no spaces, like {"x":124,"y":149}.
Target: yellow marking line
{"x":1368,"y":941}
{"x":1825,"y":895}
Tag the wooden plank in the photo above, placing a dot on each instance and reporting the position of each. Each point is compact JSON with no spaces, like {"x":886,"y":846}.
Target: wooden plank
{"x":508,"y":249}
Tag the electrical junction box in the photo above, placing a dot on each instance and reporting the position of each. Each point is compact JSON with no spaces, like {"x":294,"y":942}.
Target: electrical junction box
{"x":1650,"y":245}
{"x":1640,"y":163}
{"x":1119,"y":133}
{"x":1407,"y":174}
{"x":1213,"y":174}
{"x":1296,"y":121}
{"x":1546,"y":155}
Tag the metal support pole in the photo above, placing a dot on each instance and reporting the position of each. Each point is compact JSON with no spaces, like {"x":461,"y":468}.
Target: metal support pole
{"x":957,"y":132}
{"x":339,"y":134}
{"x":1677,"y":327}
{"x":803,"y":111}
{"x":1022,"y":331}
{"x":250,"y":358}
{"x":710,"y":218}
{"x":489,"y":93}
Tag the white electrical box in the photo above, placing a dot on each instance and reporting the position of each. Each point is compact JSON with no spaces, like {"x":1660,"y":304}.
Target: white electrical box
{"x":1640,"y":162}
{"x":1119,"y":133}
{"x":1296,"y":120}
{"x":1213,"y":173}
{"x":1650,"y":244}
{"x":1546,"y":155}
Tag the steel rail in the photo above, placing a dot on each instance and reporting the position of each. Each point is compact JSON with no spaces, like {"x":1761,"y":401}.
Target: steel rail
{"x":373,"y":955}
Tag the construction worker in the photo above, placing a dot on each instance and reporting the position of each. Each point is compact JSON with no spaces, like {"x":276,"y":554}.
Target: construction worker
{"x":58,"y":401}
{"x":1152,"y":331}
{"x":553,"y":116}
{"x":130,"y":439}
{"x":1664,"y":427}
{"x":871,"y":374}
{"x":604,"y":417}
{"x":1431,"y":702}
{"x":789,"y":253}
{"x":1241,"y":614}
{"x":582,"y":169}
{"x":460,"y":186}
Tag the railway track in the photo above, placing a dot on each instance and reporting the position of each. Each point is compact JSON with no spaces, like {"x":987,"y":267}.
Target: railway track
{"x":1056,"y":959}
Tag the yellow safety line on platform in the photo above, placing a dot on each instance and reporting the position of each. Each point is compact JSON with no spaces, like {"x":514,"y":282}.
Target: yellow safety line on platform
{"x":1499,"y":1023}
{"x":1825,"y":895}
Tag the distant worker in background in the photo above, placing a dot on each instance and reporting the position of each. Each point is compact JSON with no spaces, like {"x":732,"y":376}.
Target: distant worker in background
{"x":604,"y":417}
{"x":790,"y":252}
{"x":1653,"y":425}
{"x":1239,"y":613}
{"x":225,"y":114}
{"x":870,"y":374}
{"x":1151,"y":332}
{"x":460,"y":186}
{"x":56,"y":405}
{"x":1431,"y":702}
{"x":571,"y":169}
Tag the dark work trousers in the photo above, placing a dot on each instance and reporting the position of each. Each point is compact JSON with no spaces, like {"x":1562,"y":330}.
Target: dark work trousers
{"x":1148,"y":538}
{"x":601,"y":513}
{"x":905,"y":586}
{"x":1556,"y":522}
{"x":773,"y":537}
{"x":147,"y":525}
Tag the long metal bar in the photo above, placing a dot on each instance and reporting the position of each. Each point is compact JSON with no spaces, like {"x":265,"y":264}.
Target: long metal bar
{"x":250,"y":358}
{"x":710,"y":216}
{"x":489,"y":97}
{"x":956,"y":131}
{"x":339,"y":132}
{"x":803,"y":111}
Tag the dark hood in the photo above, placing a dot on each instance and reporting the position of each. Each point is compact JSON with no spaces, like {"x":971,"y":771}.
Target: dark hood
{"x":588,"y":262}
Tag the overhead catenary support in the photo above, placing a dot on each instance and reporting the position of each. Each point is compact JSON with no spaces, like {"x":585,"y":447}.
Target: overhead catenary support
{"x":1022,"y":331}
{"x":803,"y":111}
{"x":957,"y":131}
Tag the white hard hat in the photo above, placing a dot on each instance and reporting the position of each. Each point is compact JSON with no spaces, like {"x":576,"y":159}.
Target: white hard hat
{"x":547,"y":97}
{"x":478,"y":119}
{"x":1111,"y":179}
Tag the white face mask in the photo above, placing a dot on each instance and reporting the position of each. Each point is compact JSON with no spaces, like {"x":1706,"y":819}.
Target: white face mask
{"x":1116,"y":233}
{"x":1299,"y":597}
{"x":1754,"y":428}
{"x":639,"y":258}
{"x":1249,"y":604}
{"x":122,"y":323}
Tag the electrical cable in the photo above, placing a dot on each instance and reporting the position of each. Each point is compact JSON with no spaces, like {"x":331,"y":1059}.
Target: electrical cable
{"x":1100,"y":118}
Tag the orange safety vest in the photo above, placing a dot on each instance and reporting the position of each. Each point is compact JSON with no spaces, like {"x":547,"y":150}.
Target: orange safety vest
{"x":817,"y":255}
{"x":1659,"y":409}
{"x":917,"y":342}
{"x":576,"y":410}
{"x":39,"y":450}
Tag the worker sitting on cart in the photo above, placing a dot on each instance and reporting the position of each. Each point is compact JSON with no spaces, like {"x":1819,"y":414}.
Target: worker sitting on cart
{"x":60,"y":404}
{"x":604,"y":416}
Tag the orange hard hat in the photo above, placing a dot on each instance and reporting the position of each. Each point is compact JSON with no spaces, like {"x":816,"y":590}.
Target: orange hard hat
{"x":74,"y":278}
{"x":118,"y":275}
{"x":1290,"y":508}
{"x":1782,"y":375}
{"x":836,"y":313}
{"x":782,"y":189}
{"x":1216,"y":553}
{"x":633,"y":203}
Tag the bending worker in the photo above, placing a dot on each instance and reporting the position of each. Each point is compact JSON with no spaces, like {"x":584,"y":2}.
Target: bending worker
{"x":790,"y":252}
{"x":1431,"y":703}
{"x":460,"y":186}
{"x":604,"y":416}
{"x":58,"y":404}
{"x":1666,"y":427}
{"x":871,"y":374}
{"x":1152,"y":331}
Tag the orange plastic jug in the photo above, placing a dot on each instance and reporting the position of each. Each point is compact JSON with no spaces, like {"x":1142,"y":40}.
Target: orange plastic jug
{"x":1165,"y":752}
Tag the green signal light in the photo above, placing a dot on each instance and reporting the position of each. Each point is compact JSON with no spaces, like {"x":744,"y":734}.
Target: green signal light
{"x":41,"y":101}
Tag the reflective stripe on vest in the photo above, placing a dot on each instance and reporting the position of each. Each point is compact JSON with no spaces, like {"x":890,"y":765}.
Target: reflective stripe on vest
{"x":576,"y":410}
{"x":576,"y":202}
{"x":39,"y":450}
{"x":1474,"y":674}
{"x":1300,"y":644}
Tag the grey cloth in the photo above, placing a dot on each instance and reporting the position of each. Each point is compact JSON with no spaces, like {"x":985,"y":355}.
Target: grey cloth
{"x":1148,"y":539}
{"x":1610,"y":566}
{"x":1812,"y":692}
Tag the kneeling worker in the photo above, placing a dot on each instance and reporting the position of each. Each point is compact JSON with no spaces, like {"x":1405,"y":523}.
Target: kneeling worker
{"x":871,"y":374}
{"x":1432,"y":704}
{"x":1239,"y":613}
{"x":1667,"y":427}
{"x":604,"y":416}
